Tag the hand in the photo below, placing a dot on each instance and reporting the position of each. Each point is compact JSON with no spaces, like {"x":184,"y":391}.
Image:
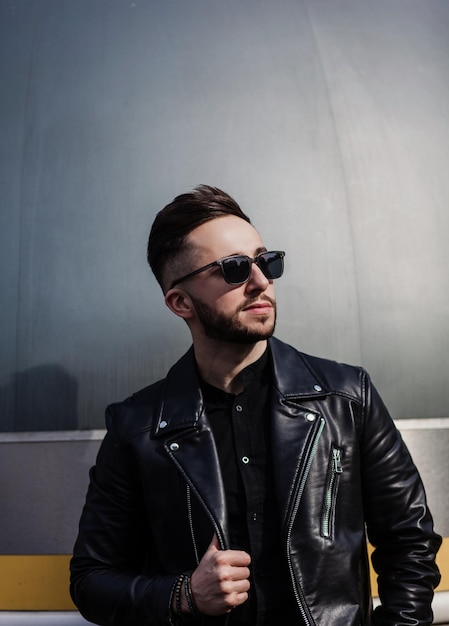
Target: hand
{"x":220,"y":582}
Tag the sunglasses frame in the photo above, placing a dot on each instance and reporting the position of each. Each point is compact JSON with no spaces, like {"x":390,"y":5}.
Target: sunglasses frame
{"x":220,"y":263}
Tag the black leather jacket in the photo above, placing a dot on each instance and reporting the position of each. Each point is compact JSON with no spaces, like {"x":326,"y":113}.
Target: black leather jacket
{"x":340,"y":467}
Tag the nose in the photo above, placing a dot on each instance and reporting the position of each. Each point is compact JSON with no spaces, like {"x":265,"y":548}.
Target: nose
{"x":257,"y":280}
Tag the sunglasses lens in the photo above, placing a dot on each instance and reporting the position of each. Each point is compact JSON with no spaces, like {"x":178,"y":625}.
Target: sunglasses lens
{"x":236,"y":269}
{"x":272,"y":264}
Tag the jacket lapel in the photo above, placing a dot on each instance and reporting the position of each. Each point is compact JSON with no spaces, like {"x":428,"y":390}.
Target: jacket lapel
{"x":295,"y":427}
{"x":189,"y":442}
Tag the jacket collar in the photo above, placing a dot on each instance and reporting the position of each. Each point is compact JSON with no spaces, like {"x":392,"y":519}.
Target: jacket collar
{"x":182,"y":402}
{"x":293,"y":376}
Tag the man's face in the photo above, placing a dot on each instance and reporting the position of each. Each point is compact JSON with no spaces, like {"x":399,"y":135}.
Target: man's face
{"x":233,"y":313}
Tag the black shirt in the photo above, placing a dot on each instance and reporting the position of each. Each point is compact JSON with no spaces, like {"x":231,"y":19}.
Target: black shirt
{"x":241,"y":427}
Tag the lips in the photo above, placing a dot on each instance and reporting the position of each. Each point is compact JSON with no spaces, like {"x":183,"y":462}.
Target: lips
{"x":263,"y":307}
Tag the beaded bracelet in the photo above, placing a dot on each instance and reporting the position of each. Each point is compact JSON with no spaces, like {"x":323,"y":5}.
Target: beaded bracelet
{"x":189,"y":596}
{"x":177,"y":593}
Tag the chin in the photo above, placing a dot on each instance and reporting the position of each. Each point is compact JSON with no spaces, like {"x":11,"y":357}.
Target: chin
{"x":253,"y":336}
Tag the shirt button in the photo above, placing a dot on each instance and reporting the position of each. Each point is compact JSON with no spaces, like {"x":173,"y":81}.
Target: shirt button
{"x":238,"y":408}
{"x":245,"y":460}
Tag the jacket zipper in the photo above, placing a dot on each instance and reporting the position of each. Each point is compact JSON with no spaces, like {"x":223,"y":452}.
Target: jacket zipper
{"x":329,"y":497}
{"x":299,"y":594}
{"x":190,"y":516}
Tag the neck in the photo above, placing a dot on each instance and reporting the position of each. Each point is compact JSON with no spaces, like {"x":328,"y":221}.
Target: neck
{"x":220,"y":365}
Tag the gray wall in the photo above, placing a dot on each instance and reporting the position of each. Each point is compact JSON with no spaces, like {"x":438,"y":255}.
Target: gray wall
{"x":326,"y":119}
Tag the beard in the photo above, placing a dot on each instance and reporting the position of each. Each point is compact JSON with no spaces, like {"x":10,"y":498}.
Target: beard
{"x":228,"y":327}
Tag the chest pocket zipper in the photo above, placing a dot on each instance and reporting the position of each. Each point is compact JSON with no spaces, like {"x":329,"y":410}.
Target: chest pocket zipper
{"x":330,"y":495}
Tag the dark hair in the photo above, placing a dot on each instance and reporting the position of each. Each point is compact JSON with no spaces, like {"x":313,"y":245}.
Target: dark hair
{"x":176,"y":220}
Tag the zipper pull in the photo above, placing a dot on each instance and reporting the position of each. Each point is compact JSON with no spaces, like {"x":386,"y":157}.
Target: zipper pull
{"x":336,"y":458}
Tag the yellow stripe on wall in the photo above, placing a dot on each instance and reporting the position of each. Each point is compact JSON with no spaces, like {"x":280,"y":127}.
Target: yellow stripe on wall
{"x":41,"y":582}
{"x":35,"y":583}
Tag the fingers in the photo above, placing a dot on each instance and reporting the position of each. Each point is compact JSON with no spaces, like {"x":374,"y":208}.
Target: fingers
{"x":220,"y":582}
{"x":235,"y":558}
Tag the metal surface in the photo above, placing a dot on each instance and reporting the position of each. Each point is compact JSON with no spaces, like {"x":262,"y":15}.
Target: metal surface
{"x":44,"y":483}
{"x":327,"y":120}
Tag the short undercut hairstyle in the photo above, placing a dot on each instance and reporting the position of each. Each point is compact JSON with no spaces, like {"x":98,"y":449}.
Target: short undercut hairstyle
{"x":168,"y":236}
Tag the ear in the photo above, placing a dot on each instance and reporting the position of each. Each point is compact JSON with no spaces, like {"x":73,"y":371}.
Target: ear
{"x":179,"y":302}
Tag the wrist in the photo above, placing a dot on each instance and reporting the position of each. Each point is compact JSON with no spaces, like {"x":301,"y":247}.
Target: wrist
{"x":188,"y":596}
{"x":182,"y":602}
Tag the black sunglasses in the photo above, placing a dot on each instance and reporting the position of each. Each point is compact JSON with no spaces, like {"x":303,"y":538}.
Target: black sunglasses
{"x":236,"y":269}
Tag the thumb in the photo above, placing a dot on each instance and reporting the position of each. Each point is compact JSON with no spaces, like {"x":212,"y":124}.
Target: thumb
{"x":214,"y":545}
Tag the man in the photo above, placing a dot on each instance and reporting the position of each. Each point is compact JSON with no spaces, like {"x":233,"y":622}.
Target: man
{"x":238,"y":489}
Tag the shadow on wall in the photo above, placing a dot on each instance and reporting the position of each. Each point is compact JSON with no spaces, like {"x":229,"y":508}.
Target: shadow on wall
{"x":42,"y":398}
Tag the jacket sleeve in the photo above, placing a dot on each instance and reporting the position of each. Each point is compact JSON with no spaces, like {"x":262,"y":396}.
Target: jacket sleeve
{"x":399,"y":524}
{"x":110,"y":583}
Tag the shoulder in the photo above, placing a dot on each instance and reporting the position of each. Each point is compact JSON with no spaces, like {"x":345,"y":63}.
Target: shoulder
{"x":327,"y":375}
{"x":140,"y":412}
{"x":135,"y":414}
